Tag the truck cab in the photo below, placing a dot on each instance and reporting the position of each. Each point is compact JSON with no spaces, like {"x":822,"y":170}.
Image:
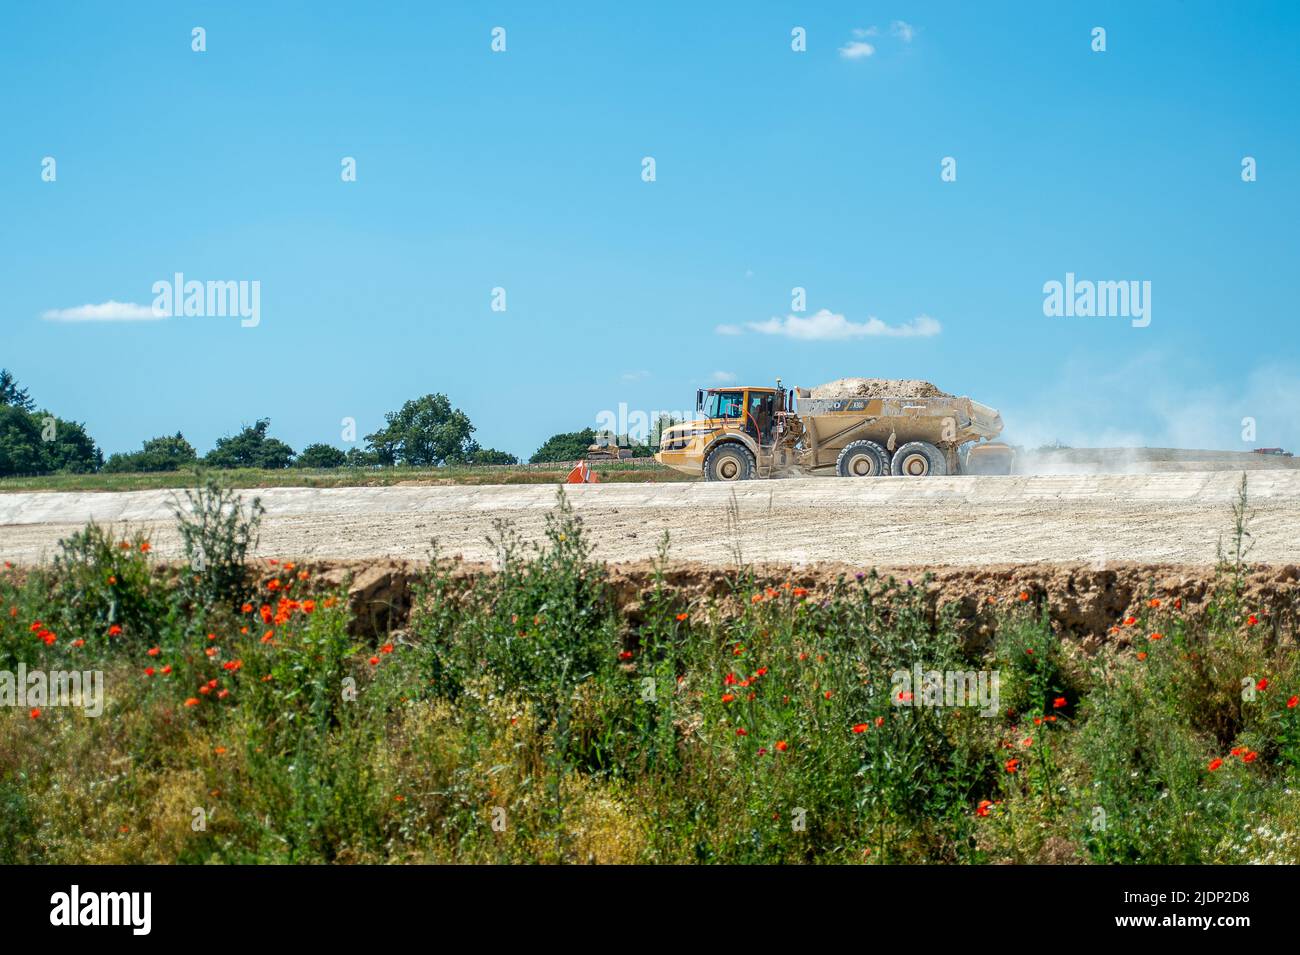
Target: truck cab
{"x":732,"y":434}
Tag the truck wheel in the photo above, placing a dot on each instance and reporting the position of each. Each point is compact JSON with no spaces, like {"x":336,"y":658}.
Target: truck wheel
{"x":918,"y":459}
{"x":730,"y":462}
{"x":862,"y":459}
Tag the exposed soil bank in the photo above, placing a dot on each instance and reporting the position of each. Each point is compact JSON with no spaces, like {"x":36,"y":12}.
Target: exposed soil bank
{"x":1083,"y":602}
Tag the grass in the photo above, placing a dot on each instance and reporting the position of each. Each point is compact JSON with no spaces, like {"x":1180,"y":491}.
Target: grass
{"x":607,"y":471}
{"x":526,"y":716}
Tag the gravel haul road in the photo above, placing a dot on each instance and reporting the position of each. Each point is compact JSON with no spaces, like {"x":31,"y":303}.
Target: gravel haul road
{"x":1155,"y":518}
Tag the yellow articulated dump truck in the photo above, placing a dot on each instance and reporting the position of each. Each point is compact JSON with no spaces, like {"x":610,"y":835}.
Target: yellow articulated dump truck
{"x":853,"y":427}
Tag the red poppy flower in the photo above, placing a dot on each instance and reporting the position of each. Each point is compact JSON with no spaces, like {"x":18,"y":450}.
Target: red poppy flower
{"x":114,"y":631}
{"x":153,"y":651}
{"x":1215,"y":764}
{"x":1293,"y":702}
{"x":860,"y":728}
{"x":35,"y":713}
{"x":1012,"y":764}
{"x":1059,"y":702}
{"x":782,"y":746}
{"x":192,"y":701}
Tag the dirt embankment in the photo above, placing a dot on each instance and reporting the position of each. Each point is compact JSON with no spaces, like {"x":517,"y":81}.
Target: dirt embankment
{"x":1084,"y":603}
{"x":885,"y":522}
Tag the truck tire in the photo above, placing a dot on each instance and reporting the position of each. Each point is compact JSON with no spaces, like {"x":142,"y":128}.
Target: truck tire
{"x":918,"y":459}
{"x":729,"y":462}
{"x":862,"y":459}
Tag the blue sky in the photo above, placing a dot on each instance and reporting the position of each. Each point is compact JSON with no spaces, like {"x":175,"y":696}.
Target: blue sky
{"x":774,"y":169}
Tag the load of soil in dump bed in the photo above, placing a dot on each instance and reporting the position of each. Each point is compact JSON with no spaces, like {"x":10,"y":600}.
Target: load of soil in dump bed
{"x":878,"y":388}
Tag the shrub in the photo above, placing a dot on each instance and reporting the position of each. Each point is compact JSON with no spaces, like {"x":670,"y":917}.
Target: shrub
{"x":103,"y":585}
{"x":250,"y":448}
{"x":321,"y":456}
{"x":166,"y":453}
{"x":218,"y":535}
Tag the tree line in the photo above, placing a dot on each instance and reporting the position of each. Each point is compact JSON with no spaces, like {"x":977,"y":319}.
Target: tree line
{"x":425,"y":432}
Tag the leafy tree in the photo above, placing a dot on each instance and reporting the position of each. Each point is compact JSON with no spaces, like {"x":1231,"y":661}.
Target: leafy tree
{"x":361,"y":458}
{"x":40,"y":443}
{"x":20,"y":443}
{"x":426,"y":432}
{"x":12,"y":395}
{"x":491,"y":456}
{"x":251,"y":448}
{"x":71,"y":450}
{"x":564,"y":447}
{"x":158,"y":454}
{"x":321,"y":456}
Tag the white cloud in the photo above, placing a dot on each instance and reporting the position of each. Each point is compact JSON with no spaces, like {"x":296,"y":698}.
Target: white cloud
{"x":903,"y":30}
{"x":723,"y":377}
{"x":857,"y":50}
{"x":728,"y":330}
{"x":827,"y":326}
{"x":861,"y":33}
{"x":106,"y":312}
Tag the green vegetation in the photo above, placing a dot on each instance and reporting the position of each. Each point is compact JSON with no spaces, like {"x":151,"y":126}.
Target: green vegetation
{"x":570,"y":446}
{"x":158,"y":454}
{"x":529,"y":716}
{"x":37,"y":442}
{"x":250,"y":448}
{"x":347,"y":476}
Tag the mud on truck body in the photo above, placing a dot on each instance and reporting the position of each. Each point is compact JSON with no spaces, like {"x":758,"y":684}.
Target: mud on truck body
{"x":750,"y":432}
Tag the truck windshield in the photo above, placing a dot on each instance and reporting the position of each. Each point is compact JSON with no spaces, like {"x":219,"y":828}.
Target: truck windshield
{"x":724,"y":404}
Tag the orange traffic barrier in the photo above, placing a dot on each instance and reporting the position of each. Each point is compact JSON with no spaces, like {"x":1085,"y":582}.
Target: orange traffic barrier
{"x":582,"y":474}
